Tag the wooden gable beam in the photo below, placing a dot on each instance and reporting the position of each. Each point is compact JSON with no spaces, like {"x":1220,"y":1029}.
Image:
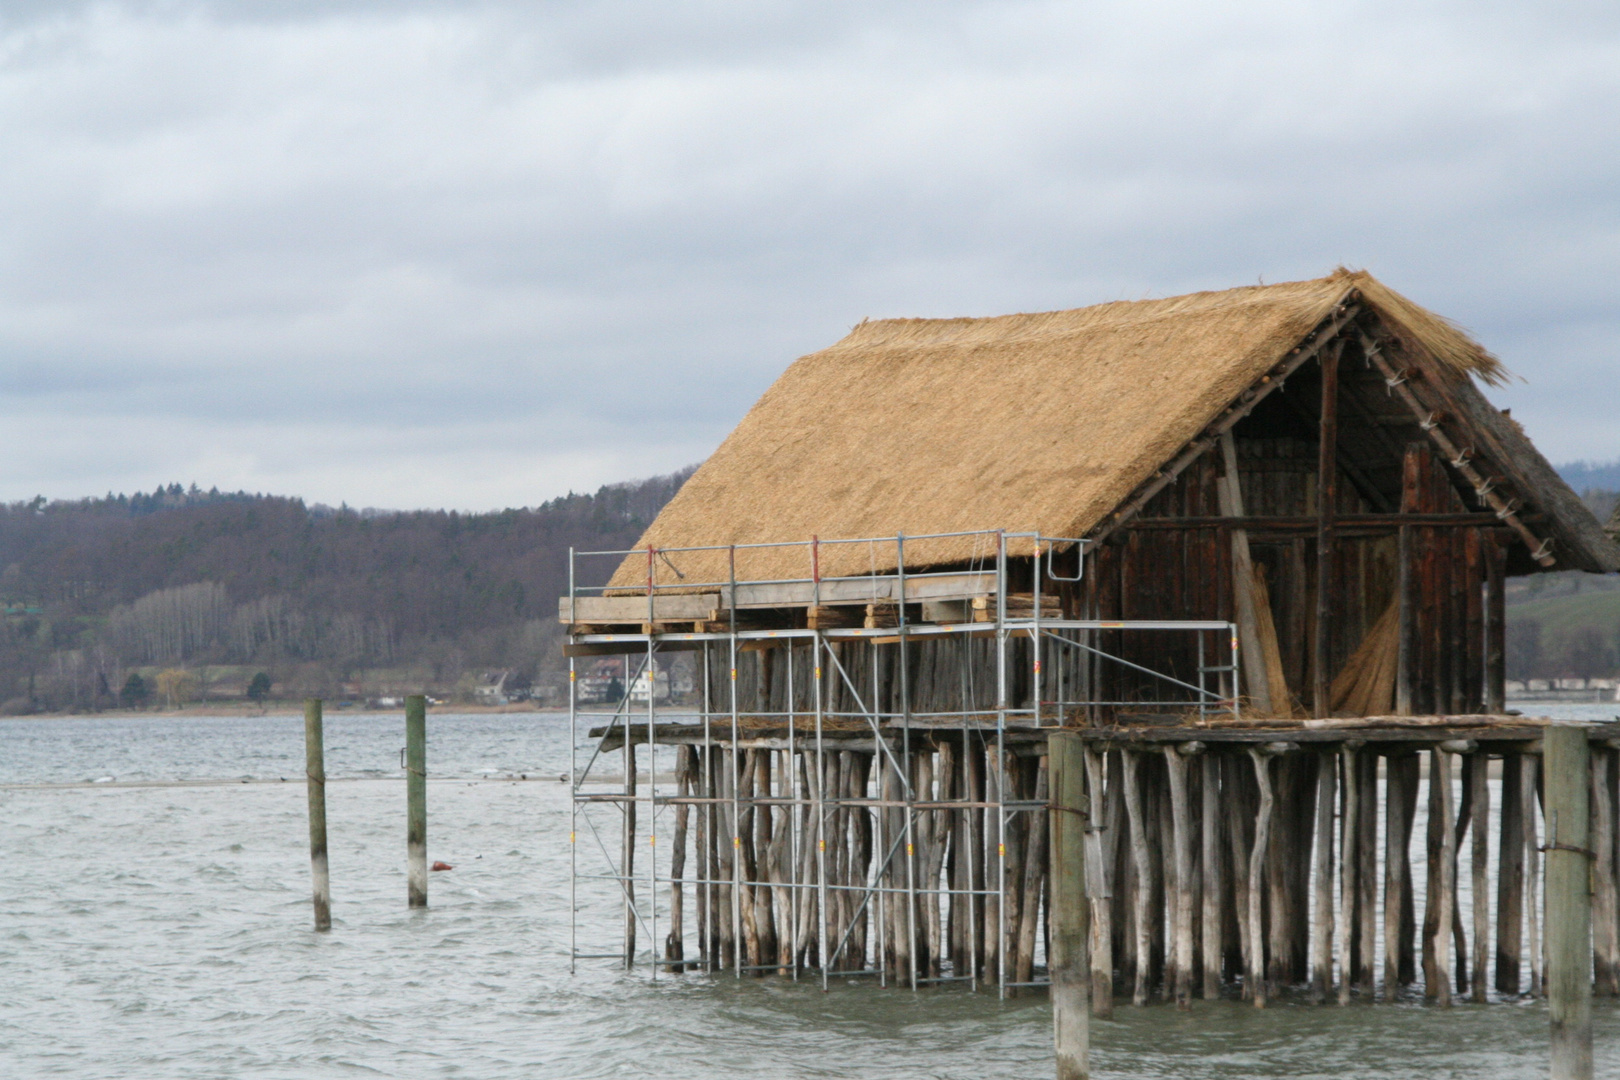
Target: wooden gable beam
{"x":1430,"y":420}
{"x":1244,"y":404}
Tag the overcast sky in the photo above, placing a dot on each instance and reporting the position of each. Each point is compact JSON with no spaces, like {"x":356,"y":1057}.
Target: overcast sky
{"x":476,"y":255}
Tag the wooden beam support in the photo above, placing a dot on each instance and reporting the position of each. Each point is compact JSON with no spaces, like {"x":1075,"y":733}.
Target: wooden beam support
{"x":1306,"y":523}
{"x":1070,"y":911}
{"x":1569,"y":903}
{"x":1327,"y":489}
{"x":1252,"y":657}
{"x":1363,"y":483}
{"x":1429,"y":420}
{"x":1495,"y":626}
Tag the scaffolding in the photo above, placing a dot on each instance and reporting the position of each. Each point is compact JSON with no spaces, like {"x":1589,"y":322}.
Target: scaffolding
{"x":861,"y":801}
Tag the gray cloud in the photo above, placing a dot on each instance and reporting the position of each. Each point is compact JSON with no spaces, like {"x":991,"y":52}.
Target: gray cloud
{"x":478,"y":254}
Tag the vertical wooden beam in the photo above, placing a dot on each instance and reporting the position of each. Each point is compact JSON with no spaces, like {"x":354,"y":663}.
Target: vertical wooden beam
{"x":1035,"y":872}
{"x":1241,"y":798}
{"x":1481,"y":887}
{"x":416,"y":800}
{"x":1406,"y":701}
{"x":674,"y":940}
{"x":1530,"y":765}
{"x":1252,"y":658}
{"x":1495,"y":626}
{"x":1212,"y":927}
{"x":1367,"y":872}
{"x":1459,"y":932}
{"x":1071,"y":908}
{"x":315,"y":772}
{"x":1460,"y":650}
{"x":1350,"y":869}
{"x":1509,"y":880}
{"x":1406,"y":648}
{"x":1474,"y":586}
{"x":1441,"y":886}
{"x":1327,"y":472}
{"x":1400,"y":775}
{"x":1099,"y":875}
{"x":1143,"y":889}
{"x":1175,"y":758}
{"x":1569,"y":903}
{"x":1256,"y":974}
{"x":1605,"y":946}
{"x":1322,"y":913}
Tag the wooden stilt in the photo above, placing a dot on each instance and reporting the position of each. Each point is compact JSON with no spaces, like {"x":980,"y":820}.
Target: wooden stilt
{"x":1433,"y":886}
{"x":1530,"y":766}
{"x":1443,"y":891}
{"x":1175,"y":758}
{"x":1322,"y":910}
{"x":1256,"y":973}
{"x":1160,"y":833}
{"x":1605,"y":947}
{"x":1029,"y":903}
{"x":1569,"y":903}
{"x":674,"y":940}
{"x":1100,"y":836}
{"x":1240,"y":825}
{"x":1142,"y":892}
{"x":315,"y":780}
{"x":1480,"y":882}
{"x":1212,"y":925}
{"x":1367,"y":872}
{"x":1351,"y":870}
{"x":725,"y":857}
{"x":1509,"y":880}
{"x":747,"y":870}
{"x":416,"y":800}
{"x":1400,"y":775}
{"x":1071,"y":906}
{"x":1459,"y":935}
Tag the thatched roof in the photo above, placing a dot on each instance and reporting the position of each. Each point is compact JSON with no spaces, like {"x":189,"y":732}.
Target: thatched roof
{"x":1036,"y":422}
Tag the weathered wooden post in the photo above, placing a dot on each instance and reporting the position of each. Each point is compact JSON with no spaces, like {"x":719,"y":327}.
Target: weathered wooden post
{"x":1071,"y":909}
{"x":416,"y":799}
{"x":315,"y":771}
{"x":1569,"y":903}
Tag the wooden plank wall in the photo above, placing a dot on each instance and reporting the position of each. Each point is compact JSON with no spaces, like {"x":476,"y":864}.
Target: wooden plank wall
{"x":1185,"y":573}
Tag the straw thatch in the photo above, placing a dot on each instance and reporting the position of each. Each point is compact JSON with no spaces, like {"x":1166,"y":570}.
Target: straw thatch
{"x":1023,"y":422}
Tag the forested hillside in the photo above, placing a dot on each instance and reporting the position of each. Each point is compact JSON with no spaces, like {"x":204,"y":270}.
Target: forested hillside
{"x":201,"y":594}
{"x":1567,"y":625}
{"x":348,"y":603}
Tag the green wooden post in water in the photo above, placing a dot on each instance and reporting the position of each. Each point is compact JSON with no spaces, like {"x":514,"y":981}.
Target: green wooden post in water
{"x":1070,"y":908}
{"x":1569,"y":903}
{"x":416,"y":798}
{"x":315,"y":771}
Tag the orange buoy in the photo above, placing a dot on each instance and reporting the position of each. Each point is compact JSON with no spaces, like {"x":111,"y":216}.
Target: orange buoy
{"x":441,"y":866}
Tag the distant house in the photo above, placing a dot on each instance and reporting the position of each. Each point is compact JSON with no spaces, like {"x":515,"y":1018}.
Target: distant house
{"x":492,"y":688}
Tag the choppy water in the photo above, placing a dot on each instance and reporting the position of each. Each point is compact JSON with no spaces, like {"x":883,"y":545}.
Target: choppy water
{"x":161,"y":929}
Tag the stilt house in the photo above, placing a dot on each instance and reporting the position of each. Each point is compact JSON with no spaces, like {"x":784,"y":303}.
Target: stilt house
{"x":1312,"y":461}
{"x":1233,"y":555}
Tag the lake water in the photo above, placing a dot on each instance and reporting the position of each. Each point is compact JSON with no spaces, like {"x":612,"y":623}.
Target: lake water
{"x":155,"y":922}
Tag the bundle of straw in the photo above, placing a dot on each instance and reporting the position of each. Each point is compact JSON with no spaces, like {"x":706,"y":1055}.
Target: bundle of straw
{"x":1366,"y":685}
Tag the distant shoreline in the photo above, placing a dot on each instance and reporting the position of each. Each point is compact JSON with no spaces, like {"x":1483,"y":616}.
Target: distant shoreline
{"x":286,"y":709}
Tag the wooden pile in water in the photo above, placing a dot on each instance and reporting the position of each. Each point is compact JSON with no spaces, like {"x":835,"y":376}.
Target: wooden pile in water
{"x":1218,"y":868}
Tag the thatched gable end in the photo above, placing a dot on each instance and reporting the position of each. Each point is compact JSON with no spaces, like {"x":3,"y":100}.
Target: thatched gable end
{"x":1042,"y":422}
